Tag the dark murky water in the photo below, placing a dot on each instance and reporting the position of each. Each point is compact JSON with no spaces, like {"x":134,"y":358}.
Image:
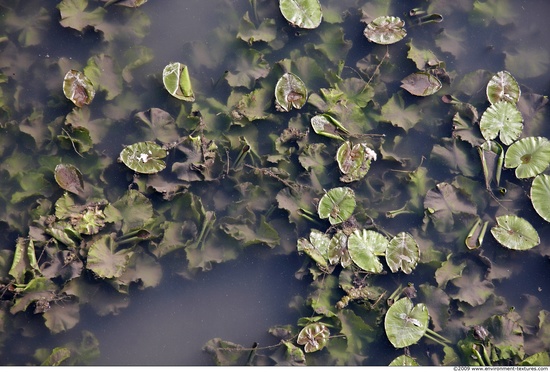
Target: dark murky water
{"x":239,"y":300}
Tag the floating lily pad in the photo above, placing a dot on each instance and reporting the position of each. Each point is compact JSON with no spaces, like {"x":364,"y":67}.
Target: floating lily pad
{"x":364,"y":246}
{"x":530,"y":156}
{"x":421,"y":84}
{"x":514,"y":232}
{"x":314,"y":337}
{"x":402,"y":361}
{"x":177,"y":82}
{"x":337,"y":205}
{"x":144,"y":157}
{"x":78,"y":88}
{"x":69,"y":178}
{"x":540,"y":195}
{"x":503,"y":87}
{"x":302,"y":13}
{"x":290,"y":92}
{"x":402,"y":253}
{"x":405,"y":324}
{"x":354,"y":161}
{"x":316,"y":247}
{"x":504,"y":118}
{"x":326,"y":125}
{"x":385,"y":30}
{"x":338,"y":250}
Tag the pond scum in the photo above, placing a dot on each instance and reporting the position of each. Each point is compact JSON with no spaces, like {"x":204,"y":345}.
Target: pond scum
{"x":382,"y":167}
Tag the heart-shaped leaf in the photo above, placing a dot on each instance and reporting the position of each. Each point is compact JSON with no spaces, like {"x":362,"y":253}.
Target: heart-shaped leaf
{"x":421,"y":84}
{"x":540,"y":195}
{"x":314,"y":337}
{"x":78,"y":88}
{"x":530,"y":156}
{"x":402,"y":253}
{"x":364,"y":246}
{"x":385,"y":30}
{"x":504,"y":118}
{"x":514,"y":232}
{"x":405,"y":324}
{"x":354,"y":161}
{"x":337,"y":205}
{"x":503,"y":87}
{"x":144,"y":157}
{"x":290,"y":92}
{"x":302,"y":13}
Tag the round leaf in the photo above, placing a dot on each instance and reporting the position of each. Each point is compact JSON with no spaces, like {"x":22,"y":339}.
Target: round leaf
{"x":144,"y":157}
{"x":69,"y":178}
{"x":354,"y":162}
{"x":515,"y":233}
{"x":405,"y":324}
{"x":385,"y":30}
{"x":530,"y":156}
{"x":78,"y":88}
{"x":290,"y":92}
{"x":314,"y":337}
{"x":501,"y":117}
{"x":403,"y":360}
{"x":364,"y":246}
{"x":503,"y":87}
{"x":402,"y":253}
{"x":421,"y":84}
{"x":177,"y":82}
{"x":337,"y":205}
{"x":540,"y":195}
{"x":302,"y":13}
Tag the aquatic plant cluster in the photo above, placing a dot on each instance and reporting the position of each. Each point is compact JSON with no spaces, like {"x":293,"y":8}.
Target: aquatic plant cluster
{"x":334,"y":130}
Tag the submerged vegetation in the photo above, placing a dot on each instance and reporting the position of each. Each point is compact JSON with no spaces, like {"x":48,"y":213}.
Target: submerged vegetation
{"x":333,"y":130}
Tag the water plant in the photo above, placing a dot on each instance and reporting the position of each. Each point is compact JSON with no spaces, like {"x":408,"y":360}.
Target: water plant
{"x":343,"y":134}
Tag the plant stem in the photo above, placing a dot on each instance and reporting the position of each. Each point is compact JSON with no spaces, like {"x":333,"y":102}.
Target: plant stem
{"x":434,"y":334}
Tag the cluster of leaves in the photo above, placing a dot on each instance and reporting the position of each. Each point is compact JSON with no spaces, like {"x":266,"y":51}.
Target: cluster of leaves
{"x":291,"y":108}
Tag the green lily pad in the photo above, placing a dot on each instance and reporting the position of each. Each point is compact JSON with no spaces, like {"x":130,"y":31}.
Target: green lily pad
{"x":405,"y":324}
{"x":504,"y":118}
{"x":421,"y":84}
{"x":540,"y":195}
{"x":326,"y":125}
{"x":354,"y":161}
{"x":503,"y":87}
{"x":144,"y":157}
{"x":314,"y":337}
{"x":402,"y":253}
{"x":78,"y":88}
{"x":316,"y":247}
{"x":514,"y":232}
{"x":385,"y":30}
{"x":69,"y":178}
{"x":337,"y":205}
{"x":530,"y":156}
{"x":402,"y":361}
{"x":177,"y":82}
{"x":364,"y":246}
{"x":338,"y":250}
{"x":290,"y":92}
{"x":302,"y":13}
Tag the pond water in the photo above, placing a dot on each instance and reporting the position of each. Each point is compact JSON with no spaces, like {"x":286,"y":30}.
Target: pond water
{"x":125,"y":267}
